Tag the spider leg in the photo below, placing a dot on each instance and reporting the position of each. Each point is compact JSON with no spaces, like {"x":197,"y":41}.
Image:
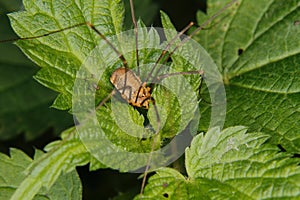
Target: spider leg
{"x":200,"y":72}
{"x":199,"y":90}
{"x":105,"y":99}
{"x":152,"y":147}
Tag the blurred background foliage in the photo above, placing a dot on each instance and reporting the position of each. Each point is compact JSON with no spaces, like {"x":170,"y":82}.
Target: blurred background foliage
{"x":27,"y":120}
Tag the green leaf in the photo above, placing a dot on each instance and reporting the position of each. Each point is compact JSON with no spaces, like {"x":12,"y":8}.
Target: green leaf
{"x":61,"y":55}
{"x":231,"y":164}
{"x":121,"y":127}
{"x":67,"y":186}
{"x":23,"y":101}
{"x":164,"y":182}
{"x":191,"y":56}
{"x":256,"y":47}
{"x":61,"y":158}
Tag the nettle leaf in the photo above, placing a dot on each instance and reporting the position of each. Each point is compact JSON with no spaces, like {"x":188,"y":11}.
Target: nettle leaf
{"x":61,"y":55}
{"x":23,"y":101}
{"x":230,"y":164}
{"x":43,"y":172}
{"x":13,"y":174}
{"x":79,"y":54}
{"x":256,"y":47}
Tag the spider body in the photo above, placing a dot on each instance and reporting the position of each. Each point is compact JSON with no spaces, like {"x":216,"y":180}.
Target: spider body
{"x":131,"y":87}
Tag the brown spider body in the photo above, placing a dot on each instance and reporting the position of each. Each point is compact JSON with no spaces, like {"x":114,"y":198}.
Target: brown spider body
{"x":131,"y":87}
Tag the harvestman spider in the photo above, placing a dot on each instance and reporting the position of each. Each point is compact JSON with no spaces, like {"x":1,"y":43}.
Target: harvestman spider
{"x":129,"y":84}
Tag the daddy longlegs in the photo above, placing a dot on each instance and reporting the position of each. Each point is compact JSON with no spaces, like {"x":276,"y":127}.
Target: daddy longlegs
{"x":132,"y":89}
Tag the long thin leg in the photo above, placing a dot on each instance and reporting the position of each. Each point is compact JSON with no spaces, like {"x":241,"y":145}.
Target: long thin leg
{"x":152,"y":149}
{"x":136,"y":37}
{"x":120,"y":55}
{"x":201,"y":72}
{"x":202,"y":26}
{"x":174,"y":74}
{"x":163,"y":54}
{"x":43,"y":35}
{"x":199,"y":91}
{"x":184,"y":40}
{"x":167,"y":48}
{"x":200,"y":85}
{"x":105,"y":99}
